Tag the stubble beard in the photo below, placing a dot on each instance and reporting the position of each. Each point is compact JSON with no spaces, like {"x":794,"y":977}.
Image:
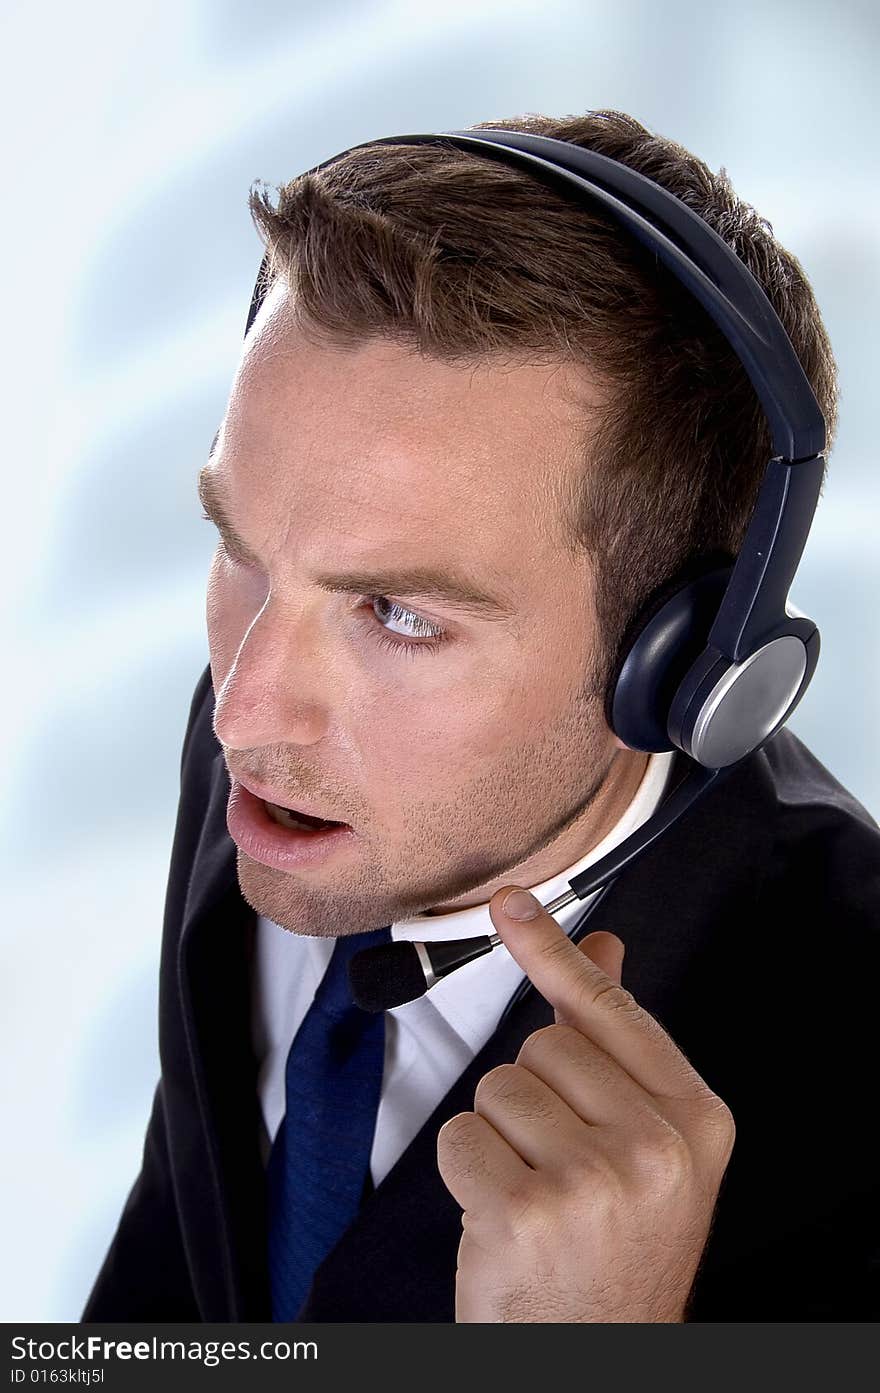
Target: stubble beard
{"x":365,"y":897}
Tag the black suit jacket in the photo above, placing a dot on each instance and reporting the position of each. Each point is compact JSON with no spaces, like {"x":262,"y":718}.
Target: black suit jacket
{"x":751,"y":932}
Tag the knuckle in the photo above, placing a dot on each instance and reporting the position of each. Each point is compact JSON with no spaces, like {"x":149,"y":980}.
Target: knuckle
{"x":514,"y":1092}
{"x":459,"y":1150}
{"x":661,"y":1155}
{"x":589,"y":1177}
{"x":457,"y":1134}
{"x":541,"y":1043}
{"x":498,"y":1084}
{"x":719,"y":1124}
{"x":612,"y":998}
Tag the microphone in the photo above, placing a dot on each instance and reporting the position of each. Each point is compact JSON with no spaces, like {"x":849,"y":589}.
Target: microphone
{"x":394,"y":973}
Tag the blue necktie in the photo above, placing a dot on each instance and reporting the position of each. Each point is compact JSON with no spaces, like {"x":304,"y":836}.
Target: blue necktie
{"x":320,"y":1158}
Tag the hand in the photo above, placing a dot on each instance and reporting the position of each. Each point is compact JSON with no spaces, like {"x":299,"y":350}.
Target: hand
{"x":589,"y":1169}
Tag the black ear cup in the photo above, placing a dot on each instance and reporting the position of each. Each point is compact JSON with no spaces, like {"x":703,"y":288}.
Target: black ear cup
{"x":660,"y":644}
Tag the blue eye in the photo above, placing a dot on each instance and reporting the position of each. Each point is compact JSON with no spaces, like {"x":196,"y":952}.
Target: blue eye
{"x":433,"y":636}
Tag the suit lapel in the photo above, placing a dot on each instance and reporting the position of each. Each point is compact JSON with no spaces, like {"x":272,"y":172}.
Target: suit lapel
{"x":219,"y":1167}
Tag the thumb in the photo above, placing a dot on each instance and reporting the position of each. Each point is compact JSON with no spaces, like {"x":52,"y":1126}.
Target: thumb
{"x":606,"y":950}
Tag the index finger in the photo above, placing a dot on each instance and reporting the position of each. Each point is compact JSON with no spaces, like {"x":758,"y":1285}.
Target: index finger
{"x":594,"y":1003}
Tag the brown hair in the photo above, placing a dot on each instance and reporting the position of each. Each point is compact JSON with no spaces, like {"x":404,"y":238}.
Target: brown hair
{"x":463,"y":257}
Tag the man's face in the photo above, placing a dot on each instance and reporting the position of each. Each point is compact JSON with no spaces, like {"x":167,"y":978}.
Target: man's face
{"x":460,"y":765}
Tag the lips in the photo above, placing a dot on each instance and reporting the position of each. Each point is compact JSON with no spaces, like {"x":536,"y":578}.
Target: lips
{"x":257,"y":834}
{"x":307,"y":811}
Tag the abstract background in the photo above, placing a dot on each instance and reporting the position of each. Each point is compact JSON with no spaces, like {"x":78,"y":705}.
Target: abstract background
{"x":132,"y":136}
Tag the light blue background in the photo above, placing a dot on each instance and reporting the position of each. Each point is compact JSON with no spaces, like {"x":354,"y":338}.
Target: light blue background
{"x":133,"y":134}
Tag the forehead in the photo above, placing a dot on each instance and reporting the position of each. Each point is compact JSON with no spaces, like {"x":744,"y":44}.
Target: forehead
{"x":390,"y":442}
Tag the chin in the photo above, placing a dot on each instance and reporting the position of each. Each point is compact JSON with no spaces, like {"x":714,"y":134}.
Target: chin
{"x":306,"y":907}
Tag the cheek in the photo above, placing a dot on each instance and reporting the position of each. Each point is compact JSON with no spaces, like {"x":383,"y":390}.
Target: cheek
{"x":437,"y":740}
{"x":528,"y":703}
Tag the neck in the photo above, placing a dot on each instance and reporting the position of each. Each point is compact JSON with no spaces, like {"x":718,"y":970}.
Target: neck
{"x":616,"y":792}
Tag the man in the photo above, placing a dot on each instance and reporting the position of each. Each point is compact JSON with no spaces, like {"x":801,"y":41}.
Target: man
{"x":473,"y":431}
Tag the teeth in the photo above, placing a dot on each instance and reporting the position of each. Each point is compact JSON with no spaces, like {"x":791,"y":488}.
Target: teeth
{"x":288,"y":819}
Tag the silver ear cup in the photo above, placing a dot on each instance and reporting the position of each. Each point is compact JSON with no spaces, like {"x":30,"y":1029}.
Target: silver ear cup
{"x":745,"y":703}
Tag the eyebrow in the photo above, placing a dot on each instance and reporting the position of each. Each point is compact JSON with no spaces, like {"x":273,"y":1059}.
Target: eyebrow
{"x":451,"y":587}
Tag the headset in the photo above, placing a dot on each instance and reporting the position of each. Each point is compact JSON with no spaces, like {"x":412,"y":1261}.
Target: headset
{"x":716,"y":659}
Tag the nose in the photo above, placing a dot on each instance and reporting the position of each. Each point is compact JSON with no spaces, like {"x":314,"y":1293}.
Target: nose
{"x":275,"y":691}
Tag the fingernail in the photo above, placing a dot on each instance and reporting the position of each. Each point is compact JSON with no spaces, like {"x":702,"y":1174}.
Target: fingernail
{"x":519,"y":904}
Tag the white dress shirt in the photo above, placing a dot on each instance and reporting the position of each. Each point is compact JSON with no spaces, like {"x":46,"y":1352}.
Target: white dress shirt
{"x":430,"y":1041}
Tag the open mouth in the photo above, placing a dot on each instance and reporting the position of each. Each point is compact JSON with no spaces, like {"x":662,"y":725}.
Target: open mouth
{"x":298,"y":822}
{"x":285,"y":838}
